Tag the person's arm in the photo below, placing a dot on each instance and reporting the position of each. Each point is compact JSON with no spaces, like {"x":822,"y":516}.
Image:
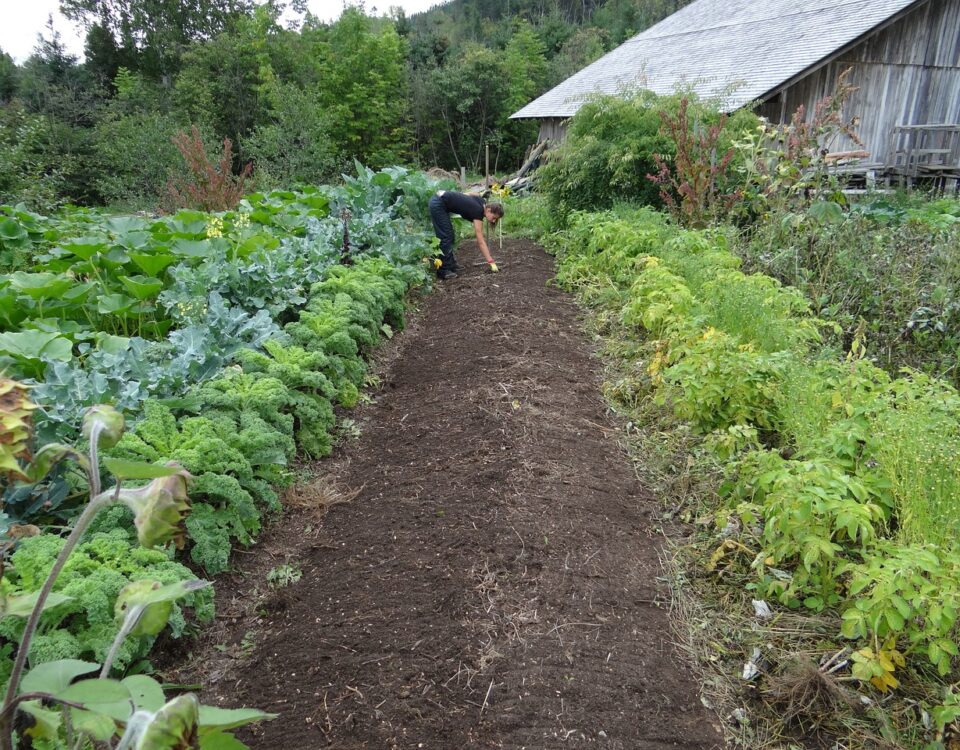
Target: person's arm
{"x":484,"y":250}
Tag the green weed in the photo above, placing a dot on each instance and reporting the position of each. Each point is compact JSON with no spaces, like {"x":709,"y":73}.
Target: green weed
{"x":283,"y":576}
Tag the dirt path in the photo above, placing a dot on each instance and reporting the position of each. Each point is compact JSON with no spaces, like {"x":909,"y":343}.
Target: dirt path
{"x":493,"y":583}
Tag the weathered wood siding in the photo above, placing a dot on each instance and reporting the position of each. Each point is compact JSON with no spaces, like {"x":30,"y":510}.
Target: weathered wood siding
{"x":552,"y":129}
{"x":906,"y":74}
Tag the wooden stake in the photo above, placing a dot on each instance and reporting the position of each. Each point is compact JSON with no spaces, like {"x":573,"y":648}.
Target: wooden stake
{"x":486,"y":183}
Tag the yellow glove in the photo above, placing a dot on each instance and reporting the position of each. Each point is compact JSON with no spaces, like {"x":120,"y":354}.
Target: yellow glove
{"x":493,"y":268}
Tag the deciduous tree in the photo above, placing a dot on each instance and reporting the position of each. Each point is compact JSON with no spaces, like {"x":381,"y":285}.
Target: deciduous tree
{"x":156,"y":31}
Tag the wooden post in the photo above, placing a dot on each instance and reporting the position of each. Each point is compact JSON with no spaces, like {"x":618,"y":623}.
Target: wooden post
{"x":463,"y":176}
{"x":486,"y":185}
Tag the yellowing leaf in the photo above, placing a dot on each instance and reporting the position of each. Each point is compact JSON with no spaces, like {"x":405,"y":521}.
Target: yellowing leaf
{"x":885,"y":662}
{"x":885,"y":682}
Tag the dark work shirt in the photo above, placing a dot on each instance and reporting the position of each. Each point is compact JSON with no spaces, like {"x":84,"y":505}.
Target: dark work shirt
{"x":470,"y":207}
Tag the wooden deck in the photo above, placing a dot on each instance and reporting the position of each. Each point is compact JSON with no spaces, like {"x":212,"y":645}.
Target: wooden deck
{"x":926,"y":155}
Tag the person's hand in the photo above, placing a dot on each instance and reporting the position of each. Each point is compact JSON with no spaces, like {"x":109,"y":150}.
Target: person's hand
{"x":493,"y":267}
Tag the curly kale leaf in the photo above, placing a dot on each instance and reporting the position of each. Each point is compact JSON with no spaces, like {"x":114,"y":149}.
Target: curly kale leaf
{"x":84,"y":627}
{"x":234,"y":504}
{"x":254,"y":392}
{"x":294,"y":366}
{"x":211,"y":535}
{"x":374,"y":282}
{"x":195,"y":443}
{"x":265,"y":447}
{"x":236,"y":458}
{"x":315,"y":422}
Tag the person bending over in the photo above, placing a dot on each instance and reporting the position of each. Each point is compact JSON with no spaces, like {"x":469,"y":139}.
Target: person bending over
{"x":470,"y":207}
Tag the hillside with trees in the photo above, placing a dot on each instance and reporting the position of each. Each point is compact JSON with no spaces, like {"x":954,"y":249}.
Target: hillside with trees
{"x":298,"y":101}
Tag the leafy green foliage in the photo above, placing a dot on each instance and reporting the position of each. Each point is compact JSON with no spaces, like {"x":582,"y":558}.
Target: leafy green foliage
{"x":95,"y":710}
{"x":83,"y":627}
{"x":815,"y":515}
{"x":844,"y":481}
{"x":887,"y":262}
{"x":123,"y":309}
{"x":909,"y":593}
{"x":607,"y":154}
{"x":364,"y":88}
{"x":616,"y":147}
{"x":235,"y":429}
{"x":311,"y":389}
{"x":915,"y":442}
{"x":717,"y":383}
{"x":344,"y":318}
{"x":132,"y":142}
{"x":215,"y":452}
{"x":33,"y":174}
{"x":785,"y":164}
{"x":293,"y":145}
{"x":154,"y":33}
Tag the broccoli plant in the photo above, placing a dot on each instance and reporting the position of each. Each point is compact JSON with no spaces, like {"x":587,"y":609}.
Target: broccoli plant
{"x":66,"y":707}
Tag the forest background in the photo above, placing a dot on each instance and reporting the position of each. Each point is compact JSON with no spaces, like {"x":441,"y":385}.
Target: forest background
{"x":298,"y":101}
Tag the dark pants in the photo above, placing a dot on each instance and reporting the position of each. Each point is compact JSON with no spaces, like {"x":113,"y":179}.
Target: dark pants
{"x":443,"y":228}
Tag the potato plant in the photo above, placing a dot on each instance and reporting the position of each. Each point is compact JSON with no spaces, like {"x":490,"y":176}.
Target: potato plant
{"x":842,"y":478}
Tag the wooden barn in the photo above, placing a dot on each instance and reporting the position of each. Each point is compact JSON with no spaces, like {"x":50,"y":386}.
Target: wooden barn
{"x":904,"y":57}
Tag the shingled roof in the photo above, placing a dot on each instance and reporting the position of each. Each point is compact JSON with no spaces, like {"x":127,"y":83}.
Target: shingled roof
{"x":738,"y":50}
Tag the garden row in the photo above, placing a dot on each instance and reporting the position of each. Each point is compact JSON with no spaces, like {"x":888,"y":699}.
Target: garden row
{"x":254,"y":332}
{"x":842,"y":489}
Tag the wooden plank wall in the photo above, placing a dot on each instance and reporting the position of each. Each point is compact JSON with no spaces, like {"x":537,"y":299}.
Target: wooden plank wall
{"x":552,"y":129}
{"x":906,"y":74}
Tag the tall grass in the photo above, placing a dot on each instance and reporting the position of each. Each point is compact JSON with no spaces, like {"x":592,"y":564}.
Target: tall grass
{"x":916,"y":445}
{"x":526,"y":216}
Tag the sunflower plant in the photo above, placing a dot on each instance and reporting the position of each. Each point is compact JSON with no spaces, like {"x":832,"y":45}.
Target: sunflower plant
{"x":74,"y":703}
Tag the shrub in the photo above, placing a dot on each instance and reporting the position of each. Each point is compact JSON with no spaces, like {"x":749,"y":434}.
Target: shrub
{"x":607,"y":155}
{"x":815,"y":517}
{"x":908,"y":594}
{"x":613,"y":144}
{"x":295,"y":146}
{"x":30,"y":174}
{"x":887,"y":263}
{"x":134,"y":156}
{"x":718,"y":383}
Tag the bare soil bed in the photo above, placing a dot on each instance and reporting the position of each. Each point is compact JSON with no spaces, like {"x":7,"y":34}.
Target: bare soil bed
{"x":490,"y":578}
